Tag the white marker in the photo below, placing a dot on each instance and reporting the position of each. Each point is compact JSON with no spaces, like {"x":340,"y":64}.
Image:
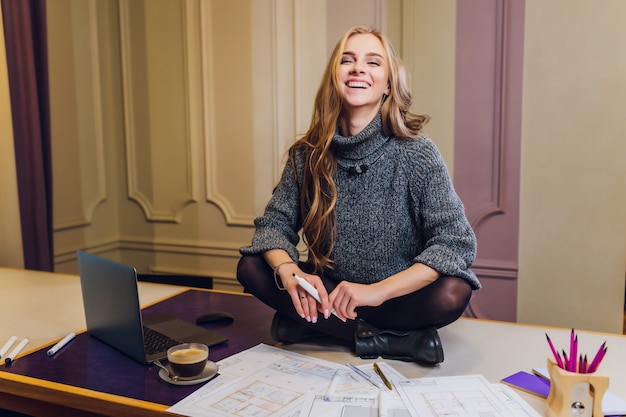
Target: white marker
{"x":306,"y":286}
{"x":54,"y":349}
{"x":332,"y":387}
{"x":7,"y":345}
{"x":382,"y":403}
{"x":11,"y":357}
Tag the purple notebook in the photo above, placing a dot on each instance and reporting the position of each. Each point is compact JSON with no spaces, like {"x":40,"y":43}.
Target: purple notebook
{"x":528,"y":382}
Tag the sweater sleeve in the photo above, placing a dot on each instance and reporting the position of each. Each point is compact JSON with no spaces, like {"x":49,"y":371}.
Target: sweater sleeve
{"x":450,"y":242}
{"x":278,"y":227}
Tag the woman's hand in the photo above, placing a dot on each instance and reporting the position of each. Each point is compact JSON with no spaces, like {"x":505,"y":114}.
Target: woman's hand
{"x":306,"y":306}
{"x":349,"y":295}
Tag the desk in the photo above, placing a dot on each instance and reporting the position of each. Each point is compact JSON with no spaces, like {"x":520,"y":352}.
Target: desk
{"x":494,"y":349}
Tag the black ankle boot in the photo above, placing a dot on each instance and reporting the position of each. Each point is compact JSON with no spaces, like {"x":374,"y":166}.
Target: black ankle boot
{"x":287,"y":330}
{"x":422,"y":346}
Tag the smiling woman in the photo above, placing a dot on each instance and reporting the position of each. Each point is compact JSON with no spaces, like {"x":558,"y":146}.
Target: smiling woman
{"x":364,"y":79}
{"x":389,"y":246}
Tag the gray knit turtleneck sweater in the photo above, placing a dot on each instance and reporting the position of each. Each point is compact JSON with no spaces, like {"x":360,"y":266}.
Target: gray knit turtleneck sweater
{"x":402,"y":209}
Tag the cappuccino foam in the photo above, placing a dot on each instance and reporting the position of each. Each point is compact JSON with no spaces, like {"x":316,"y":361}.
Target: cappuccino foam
{"x":185,"y":356}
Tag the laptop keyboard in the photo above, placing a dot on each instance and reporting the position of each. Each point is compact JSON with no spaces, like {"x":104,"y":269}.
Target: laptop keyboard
{"x":156,"y":342}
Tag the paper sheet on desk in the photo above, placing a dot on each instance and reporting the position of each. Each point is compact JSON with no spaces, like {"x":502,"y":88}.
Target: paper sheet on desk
{"x":266,"y":380}
{"x":262,"y":380}
{"x":468,"y":395}
{"x":355,"y":397}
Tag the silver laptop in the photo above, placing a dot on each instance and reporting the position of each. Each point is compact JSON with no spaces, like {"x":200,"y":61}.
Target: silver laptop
{"x":113,"y":313}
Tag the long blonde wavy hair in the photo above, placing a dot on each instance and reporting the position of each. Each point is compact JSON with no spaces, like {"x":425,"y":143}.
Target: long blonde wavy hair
{"x":319,"y":193}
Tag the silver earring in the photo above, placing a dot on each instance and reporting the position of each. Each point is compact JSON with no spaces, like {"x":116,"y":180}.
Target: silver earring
{"x":384,"y":97}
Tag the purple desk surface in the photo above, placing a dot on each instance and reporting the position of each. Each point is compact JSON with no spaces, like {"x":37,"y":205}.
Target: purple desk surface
{"x":88,"y":363}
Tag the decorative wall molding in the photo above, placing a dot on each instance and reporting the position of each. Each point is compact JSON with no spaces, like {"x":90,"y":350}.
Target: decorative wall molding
{"x":498,"y":278}
{"x":487,"y":138}
{"x":183,"y":247}
{"x":219,"y":190}
{"x":69,"y":255}
{"x":91,"y":154}
{"x":495,"y":269}
{"x":178,"y":246}
{"x":160,"y":203}
{"x":492,"y":205}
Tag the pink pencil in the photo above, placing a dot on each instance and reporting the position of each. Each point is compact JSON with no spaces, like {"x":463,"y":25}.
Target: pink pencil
{"x":584,"y":365}
{"x":572,"y":352}
{"x":598,"y":358}
{"x":557,"y":357}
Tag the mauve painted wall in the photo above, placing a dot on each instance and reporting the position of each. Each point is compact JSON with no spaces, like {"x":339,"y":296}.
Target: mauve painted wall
{"x":489,"y":58}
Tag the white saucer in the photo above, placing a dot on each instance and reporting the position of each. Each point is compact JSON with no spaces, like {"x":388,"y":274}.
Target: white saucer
{"x":210,"y":370}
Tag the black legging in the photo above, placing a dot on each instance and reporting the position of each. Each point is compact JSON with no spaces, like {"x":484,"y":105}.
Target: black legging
{"x":437,"y":304}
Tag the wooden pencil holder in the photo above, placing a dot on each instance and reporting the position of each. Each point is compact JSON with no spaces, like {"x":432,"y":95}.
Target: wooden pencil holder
{"x":573,"y":394}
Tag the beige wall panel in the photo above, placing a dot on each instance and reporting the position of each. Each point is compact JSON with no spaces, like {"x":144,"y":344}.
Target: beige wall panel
{"x":75,"y":112}
{"x":573,"y":185}
{"x":241,"y":65}
{"x":159,"y":143}
{"x":240,"y":93}
{"x":85,"y":165}
{"x":344,"y":14}
{"x":428,"y":50}
{"x":246,"y":64}
{"x":11,"y":254}
{"x":310,"y":56}
{"x":283,"y":38}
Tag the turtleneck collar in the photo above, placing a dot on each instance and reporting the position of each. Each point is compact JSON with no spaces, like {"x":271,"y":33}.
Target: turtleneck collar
{"x":364,"y":147}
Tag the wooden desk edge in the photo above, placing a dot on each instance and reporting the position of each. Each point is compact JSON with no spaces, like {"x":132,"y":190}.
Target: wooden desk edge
{"x":24,"y":389}
{"x":21,"y":392}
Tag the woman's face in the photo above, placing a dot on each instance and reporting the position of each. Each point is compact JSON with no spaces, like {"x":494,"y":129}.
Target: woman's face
{"x":363,"y":74}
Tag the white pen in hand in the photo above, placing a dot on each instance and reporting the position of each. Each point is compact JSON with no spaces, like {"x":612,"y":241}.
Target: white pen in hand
{"x":306,"y":286}
{"x":11,"y":357}
{"x":5,"y":348}
{"x":54,"y":349}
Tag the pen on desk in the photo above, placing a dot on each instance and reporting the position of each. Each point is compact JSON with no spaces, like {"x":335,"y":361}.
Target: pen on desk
{"x":5,"y":348}
{"x":11,"y":357}
{"x":332,"y":387}
{"x":382,"y":376}
{"x":382,"y":403}
{"x":54,"y":349}
{"x":365,"y":375}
